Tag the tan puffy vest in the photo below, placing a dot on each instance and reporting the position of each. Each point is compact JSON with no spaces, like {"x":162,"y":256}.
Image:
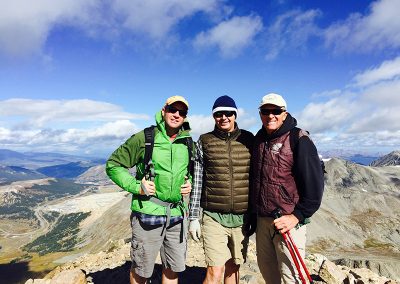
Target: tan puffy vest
{"x":226,"y":162}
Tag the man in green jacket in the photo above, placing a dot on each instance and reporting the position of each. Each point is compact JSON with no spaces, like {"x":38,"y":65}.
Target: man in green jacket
{"x":158,"y":216}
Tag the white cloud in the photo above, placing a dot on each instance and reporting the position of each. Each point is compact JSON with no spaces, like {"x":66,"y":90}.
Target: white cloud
{"x":64,"y":125}
{"x":107,"y":127}
{"x":41,"y":112}
{"x":331,"y":115}
{"x":96,"y":140}
{"x":380,"y":104}
{"x":384,"y":94}
{"x":230,"y":36}
{"x":377,"y":30}
{"x":25,"y":25}
{"x":387,"y":70}
{"x":200,"y":124}
{"x":365,"y":117}
{"x":291,"y":30}
{"x":157,"y":18}
{"x":378,"y":142}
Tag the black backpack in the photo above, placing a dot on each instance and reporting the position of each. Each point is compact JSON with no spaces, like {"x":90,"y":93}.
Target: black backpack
{"x":294,"y":137}
{"x":148,"y":152}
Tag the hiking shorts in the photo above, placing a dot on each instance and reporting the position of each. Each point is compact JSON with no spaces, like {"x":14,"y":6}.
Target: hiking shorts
{"x":148,"y":240}
{"x":273,"y":257}
{"x":222,"y":243}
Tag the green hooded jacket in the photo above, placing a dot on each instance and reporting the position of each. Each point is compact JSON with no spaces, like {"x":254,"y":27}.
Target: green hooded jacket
{"x":170,"y":159}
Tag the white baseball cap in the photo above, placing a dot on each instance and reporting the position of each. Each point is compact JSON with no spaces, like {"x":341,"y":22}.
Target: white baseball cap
{"x":273,"y":99}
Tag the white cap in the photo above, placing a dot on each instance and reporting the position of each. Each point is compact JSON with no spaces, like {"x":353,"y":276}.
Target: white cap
{"x":273,"y":99}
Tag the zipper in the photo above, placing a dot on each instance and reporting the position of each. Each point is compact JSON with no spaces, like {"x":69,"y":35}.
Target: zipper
{"x":230,"y":168}
{"x":266,"y":145}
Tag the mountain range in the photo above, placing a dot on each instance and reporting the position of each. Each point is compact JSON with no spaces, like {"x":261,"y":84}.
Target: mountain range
{"x":35,"y":160}
{"x":357,"y":225}
{"x":15,"y":166}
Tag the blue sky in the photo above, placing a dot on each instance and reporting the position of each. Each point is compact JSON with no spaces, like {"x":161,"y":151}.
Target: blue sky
{"x":82,"y":76}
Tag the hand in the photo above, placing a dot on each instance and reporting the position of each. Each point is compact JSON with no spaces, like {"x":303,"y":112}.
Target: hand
{"x":147,"y":187}
{"x":186,"y":188}
{"x":250,"y":224}
{"x":194,"y":229}
{"x":286,"y":223}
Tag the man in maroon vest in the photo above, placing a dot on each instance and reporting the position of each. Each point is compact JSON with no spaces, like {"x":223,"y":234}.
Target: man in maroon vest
{"x":291,"y":181}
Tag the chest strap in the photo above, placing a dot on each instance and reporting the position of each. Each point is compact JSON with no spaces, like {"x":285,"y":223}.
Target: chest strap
{"x":168,"y":206}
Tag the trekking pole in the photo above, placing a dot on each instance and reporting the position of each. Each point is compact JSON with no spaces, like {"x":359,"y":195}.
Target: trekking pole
{"x":300,"y":258}
{"x":277,"y":213}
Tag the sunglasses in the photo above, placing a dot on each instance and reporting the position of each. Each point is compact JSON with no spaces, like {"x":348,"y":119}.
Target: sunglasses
{"x":219,"y":114}
{"x":274,"y":111}
{"x":171,"y":109}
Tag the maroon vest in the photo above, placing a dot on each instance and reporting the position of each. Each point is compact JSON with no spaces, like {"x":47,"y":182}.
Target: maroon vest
{"x":273,"y":181}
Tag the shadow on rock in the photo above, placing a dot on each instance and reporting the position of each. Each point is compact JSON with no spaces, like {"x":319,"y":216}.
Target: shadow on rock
{"x":120,"y":275}
{"x":18,"y":272}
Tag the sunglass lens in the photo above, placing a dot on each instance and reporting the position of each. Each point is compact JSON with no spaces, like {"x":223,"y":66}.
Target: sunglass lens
{"x":275,"y":111}
{"x":219,"y":114}
{"x":182,"y":112}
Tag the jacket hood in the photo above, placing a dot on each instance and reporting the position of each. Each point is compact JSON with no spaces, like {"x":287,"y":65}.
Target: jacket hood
{"x":289,"y":123}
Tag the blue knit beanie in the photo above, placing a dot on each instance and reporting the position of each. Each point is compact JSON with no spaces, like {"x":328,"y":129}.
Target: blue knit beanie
{"x":224,"y":103}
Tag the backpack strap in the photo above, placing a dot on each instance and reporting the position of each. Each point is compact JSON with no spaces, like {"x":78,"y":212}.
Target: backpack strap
{"x":189,"y":145}
{"x":148,"y":151}
{"x":294,"y":138}
{"x":149,"y":134}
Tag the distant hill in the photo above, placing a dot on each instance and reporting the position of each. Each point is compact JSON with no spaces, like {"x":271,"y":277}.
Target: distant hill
{"x":34,"y":160}
{"x":97,"y":175}
{"x":10,"y":174}
{"x":391,"y":159}
{"x":69,"y":170}
{"x":9,"y":154}
{"x":362,"y":159}
{"x":94,"y":175}
{"x":350,"y":155}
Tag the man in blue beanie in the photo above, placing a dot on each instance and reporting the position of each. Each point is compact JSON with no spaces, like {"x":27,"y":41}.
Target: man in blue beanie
{"x":221,"y":187}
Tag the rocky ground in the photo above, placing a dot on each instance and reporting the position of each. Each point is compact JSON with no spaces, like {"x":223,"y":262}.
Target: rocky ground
{"x":112,"y":266}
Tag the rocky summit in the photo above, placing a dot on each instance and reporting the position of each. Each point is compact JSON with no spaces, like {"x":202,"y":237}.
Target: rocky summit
{"x":112,"y":266}
{"x":391,"y":159}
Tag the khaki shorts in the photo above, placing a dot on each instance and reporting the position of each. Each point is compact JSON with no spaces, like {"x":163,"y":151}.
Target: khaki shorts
{"x":148,"y":240}
{"x":222,"y":244}
{"x":273,"y":257}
